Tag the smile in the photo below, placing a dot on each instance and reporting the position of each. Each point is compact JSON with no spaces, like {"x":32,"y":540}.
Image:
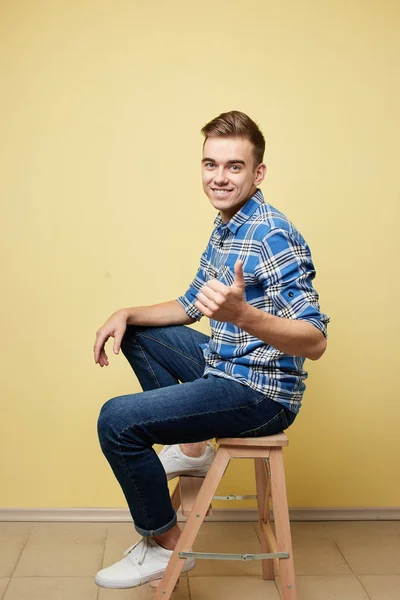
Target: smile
{"x":221,"y":192}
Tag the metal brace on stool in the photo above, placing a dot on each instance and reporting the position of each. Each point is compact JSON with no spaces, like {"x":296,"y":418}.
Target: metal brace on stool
{"x":221,"y":556}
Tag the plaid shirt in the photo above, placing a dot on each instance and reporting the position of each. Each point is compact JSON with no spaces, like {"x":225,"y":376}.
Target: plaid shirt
{"x":278,"y":273}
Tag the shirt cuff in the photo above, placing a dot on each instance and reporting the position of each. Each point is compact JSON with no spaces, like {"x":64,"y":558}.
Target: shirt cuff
{"x":321,"y":325}
{"x":189,"y":308}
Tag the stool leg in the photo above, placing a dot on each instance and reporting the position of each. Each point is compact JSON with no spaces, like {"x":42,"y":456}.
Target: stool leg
{"x":193,"y":524}
{"x":282,"y":524}
{"x":263,"y":494}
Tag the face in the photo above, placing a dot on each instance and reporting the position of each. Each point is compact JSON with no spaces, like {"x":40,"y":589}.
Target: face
{"x":229,"y":175}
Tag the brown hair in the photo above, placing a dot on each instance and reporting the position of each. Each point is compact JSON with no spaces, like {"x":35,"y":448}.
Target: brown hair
{"x":237,"y":124}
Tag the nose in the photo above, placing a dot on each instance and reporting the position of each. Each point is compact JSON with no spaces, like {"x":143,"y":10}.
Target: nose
{"x":220,"y":177}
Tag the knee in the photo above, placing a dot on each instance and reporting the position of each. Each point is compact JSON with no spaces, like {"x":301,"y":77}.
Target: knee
{"x":129,"y":337}
{"x":106,"y":423}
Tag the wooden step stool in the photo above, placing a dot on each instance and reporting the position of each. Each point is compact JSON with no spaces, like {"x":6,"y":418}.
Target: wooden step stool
{"x":276,"y":548}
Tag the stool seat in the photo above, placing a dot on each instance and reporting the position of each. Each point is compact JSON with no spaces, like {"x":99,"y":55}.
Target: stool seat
{"x":269,"y":441}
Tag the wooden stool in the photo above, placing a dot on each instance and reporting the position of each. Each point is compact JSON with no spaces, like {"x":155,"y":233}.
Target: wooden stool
{"x":276,"y":548}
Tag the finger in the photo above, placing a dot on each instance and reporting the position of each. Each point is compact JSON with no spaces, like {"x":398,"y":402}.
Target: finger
{"x":203,"y":298}
{"x":98,"y":345}
{"x":96,"y":352}
{"x":206,"y":300}
{"x":103,"y":362}
{"x":210,"y":292}
{"x":117,"y":339}
{"x":215,"y":285}
{"x":98,"y":349}
{"x":209,"y":303}
{"x":203,"y":309}
{"x":102,"y":357}
{"x":211,"y":299}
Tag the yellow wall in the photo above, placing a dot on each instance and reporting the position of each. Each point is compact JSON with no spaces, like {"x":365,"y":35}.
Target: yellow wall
{"x":102,"y":207}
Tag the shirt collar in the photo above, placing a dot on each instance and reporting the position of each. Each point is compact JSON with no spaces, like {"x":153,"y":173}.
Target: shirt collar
{"x":243,"y":214}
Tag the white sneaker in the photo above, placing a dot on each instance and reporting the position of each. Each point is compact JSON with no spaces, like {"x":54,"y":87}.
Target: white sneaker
{"x":175,"y":462}
{"x":144,"y":561}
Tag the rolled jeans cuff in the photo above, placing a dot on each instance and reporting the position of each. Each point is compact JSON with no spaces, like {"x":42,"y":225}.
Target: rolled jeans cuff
{"x":159,"y":530}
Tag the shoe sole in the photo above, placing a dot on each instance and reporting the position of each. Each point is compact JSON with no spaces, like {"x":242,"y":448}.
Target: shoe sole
{"x":123,"y":585}
{"x":187,"y":474}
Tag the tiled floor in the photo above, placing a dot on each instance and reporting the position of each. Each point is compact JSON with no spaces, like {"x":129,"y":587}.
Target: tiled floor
{"x":333,"y":561}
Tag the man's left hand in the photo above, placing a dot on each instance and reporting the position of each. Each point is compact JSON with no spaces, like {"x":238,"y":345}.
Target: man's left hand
{"x":221,"y":302}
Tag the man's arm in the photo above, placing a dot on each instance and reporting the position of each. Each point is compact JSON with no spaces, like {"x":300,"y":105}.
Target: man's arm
{"x":165,"y":313}
{"x":291,"y":320}
{"x":223,"y":303}
{"x":295,"y":337}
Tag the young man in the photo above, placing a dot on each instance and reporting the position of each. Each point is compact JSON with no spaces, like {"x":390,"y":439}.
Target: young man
{"x":254,"y":283}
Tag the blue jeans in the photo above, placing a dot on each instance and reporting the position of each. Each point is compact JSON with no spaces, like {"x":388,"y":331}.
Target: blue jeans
{"x":201,"y":407}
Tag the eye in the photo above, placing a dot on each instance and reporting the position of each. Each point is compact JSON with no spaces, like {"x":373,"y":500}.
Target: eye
{"x":209,"y":164}
{"x":236,"y":167}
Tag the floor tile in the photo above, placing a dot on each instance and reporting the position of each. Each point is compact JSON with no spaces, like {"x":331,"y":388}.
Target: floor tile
{"x":382,"y":587}
{"x":3,"y":584}
{"x":315,"y":552}
{"x":63,"y":549}
{"x":226,"y":537}
{"x":329,"y":587}
{"x":58,"y":561}
{"x":51,"y":588}
{"x":13,"y":537}
{"x":369,"y":547}
{"x":234,"y":588}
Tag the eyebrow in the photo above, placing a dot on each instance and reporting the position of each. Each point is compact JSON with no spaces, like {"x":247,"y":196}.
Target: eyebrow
{"x":228,"y":162}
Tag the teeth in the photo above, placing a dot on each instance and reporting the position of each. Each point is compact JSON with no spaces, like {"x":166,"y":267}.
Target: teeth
{"x":222,"y":191}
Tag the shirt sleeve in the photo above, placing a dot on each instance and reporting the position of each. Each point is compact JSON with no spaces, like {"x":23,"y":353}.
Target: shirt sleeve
{"x":190,"y":296}
{"x":285,"y":270}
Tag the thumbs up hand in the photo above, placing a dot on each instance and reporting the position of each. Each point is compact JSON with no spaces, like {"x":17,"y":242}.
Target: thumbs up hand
{"x":221,"y":302}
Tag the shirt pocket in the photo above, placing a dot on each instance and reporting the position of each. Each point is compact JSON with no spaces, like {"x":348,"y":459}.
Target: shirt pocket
{"x":222,"y":274}
{"x":226,"y":275}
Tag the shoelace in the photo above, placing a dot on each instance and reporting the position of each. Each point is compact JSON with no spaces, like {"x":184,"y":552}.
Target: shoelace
{"x":144,"y":549}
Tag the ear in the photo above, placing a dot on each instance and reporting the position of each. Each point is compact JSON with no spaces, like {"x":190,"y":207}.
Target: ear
{"x":261,"y":172}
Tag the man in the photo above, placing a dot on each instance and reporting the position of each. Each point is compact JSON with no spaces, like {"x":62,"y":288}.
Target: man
{"x":254,"y":283}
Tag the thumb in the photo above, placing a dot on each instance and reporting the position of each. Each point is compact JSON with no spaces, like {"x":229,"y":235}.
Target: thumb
{"x":239,"y":277}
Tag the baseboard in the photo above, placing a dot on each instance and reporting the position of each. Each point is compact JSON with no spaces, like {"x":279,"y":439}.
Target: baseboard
{"x":218,"y":514}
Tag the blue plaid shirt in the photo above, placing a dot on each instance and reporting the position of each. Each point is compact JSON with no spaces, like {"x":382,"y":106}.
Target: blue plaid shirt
{"x":278,"y":272}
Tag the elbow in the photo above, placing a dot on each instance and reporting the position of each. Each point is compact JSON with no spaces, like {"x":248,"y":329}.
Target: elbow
{"x":318,"y":349}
